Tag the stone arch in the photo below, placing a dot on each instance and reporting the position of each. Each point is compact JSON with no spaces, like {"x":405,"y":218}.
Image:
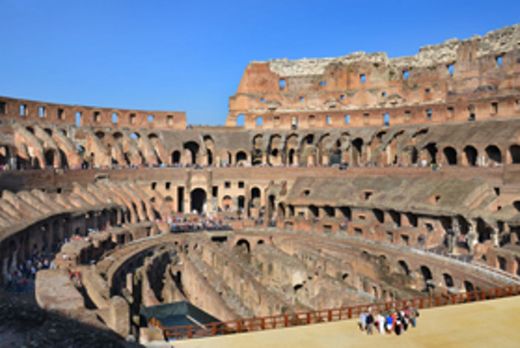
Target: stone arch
{"x":275,"y":150}
{"x":403,"y":266}
{"x":431,"y":150}
{"x":227,"y":202}
{"x":471,"y":155}
{"x":514,"y":152}
{"x":379,"y":215}
{"x":329,"y":211}
{"x":191,"y":148}
{"x":50,"y":157}
{"x":314,"y":211}
{"x":63,"y":159}
{"x":450,"y":155}
{"x":494,"y":154}
{"x":281,"y":210}
{"x":427,"y":276}
{"x":240,"y":157}
{"x":209,"y":144}
{"x":448,"y":280}
{"x":244,"y":245}
{"x":198,"y":200}
{"x":176,"y":157}
{"x":256,"y":192}
{"x":357,"y":151}
{"x":468,"y":286}
{"x":257,"y":157}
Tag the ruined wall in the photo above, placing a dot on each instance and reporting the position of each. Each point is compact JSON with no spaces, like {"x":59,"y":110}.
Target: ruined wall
{"x":456,"y":81}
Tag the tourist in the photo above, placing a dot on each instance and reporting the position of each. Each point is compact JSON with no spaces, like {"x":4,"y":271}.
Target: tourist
{"x":380,"y":319}
{"x":389,"y":322}
{"x":369,"y":323}
{"x":362,"y":320}
{"x":412,"y":314}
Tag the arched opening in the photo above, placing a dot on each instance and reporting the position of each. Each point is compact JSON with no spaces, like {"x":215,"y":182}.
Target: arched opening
{"x":431,"y":148}
{"x":514,"y":151}
{"x":450,"y":155}
{"x":313,"y":210}
{"x":227,"y":202}
{"x":193,"y":149}
{"x":469,"y":286}
{"x":240,"y":156}
{"x":281,"y":211}
{"x":176,"y":157}
{"x":49,"y":158}
{"x":396,"y":217}
{"x":404,"y":267}
{"x":414,"y":155}
{"x":329,"y":211}
{"x":379,"y":215}
{"x":63,"y":158}
{"x":297,"y":288}
{"x":243,"y":245}
{"x":292,"y":156}
{"x":471,"y":154}
{"x":494,"y":154}
{"x":198,"y":200}
{"x":209,"y":155}
{"x":357,"y":150}
{"x":346,"y":212}
{"x":241,"y":203}
{"x":427,"y":277}
{"x":240,"y":120}
{"x":448,"y":280}
{"x":255,"y":193}
{"x":386,"y":119}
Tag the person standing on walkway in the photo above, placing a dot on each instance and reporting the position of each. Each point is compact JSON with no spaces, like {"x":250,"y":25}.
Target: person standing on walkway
{"x":369,"y":323}
{"x":381,"y":323}
{"x":362,"y":320}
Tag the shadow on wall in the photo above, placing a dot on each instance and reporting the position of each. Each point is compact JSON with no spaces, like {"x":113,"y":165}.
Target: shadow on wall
{"x":24,"y":324}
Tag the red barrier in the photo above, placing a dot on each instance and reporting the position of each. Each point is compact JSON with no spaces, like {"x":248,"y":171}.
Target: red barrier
{"x":306,"y":318}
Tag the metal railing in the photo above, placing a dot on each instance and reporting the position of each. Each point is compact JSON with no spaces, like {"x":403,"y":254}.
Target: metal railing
{"x":328,"y":315}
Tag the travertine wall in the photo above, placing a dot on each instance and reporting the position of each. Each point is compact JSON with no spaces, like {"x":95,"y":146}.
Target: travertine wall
{"x":30,"y":111}
{"x":456,"y":81}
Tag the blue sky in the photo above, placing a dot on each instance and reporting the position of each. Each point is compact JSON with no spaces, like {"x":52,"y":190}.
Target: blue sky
{"x":190,"y":55}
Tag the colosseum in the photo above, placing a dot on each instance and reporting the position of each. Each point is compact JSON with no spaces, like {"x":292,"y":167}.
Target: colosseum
{"x":335,"y":184}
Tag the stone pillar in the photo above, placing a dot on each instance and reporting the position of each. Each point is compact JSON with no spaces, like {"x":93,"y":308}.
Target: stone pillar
{"x":472,"y":237}
{"x":119,"y":316}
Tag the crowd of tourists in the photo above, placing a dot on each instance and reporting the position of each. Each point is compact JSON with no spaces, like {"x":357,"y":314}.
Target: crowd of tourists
{"x":182,"y":224}
{"x":21,"y":279}
{"x":388,"y":322}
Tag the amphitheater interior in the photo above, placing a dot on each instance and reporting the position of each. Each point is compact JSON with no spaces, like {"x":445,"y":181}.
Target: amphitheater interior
{"x":334,"y":182}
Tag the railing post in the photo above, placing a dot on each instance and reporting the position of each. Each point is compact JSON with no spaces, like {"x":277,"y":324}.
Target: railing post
{"x":239,"y":326}
{"x":190,"y":331}
{"x":308,"y":318}
{"x":329,"y":315}
{"x":286,"y":320}
{"x":262,"y":323}
{"x":349,"y":312}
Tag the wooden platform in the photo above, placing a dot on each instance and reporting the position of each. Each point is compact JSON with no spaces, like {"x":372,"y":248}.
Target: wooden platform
{"x":487,"y":324}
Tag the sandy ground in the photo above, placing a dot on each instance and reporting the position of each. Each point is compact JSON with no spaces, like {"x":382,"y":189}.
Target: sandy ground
{"x":494,"y":324}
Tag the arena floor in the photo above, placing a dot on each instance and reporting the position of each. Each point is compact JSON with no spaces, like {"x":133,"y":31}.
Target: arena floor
{"x":484,"y":324}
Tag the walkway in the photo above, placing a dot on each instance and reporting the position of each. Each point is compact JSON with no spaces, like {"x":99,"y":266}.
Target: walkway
{"x":491,"y":323}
